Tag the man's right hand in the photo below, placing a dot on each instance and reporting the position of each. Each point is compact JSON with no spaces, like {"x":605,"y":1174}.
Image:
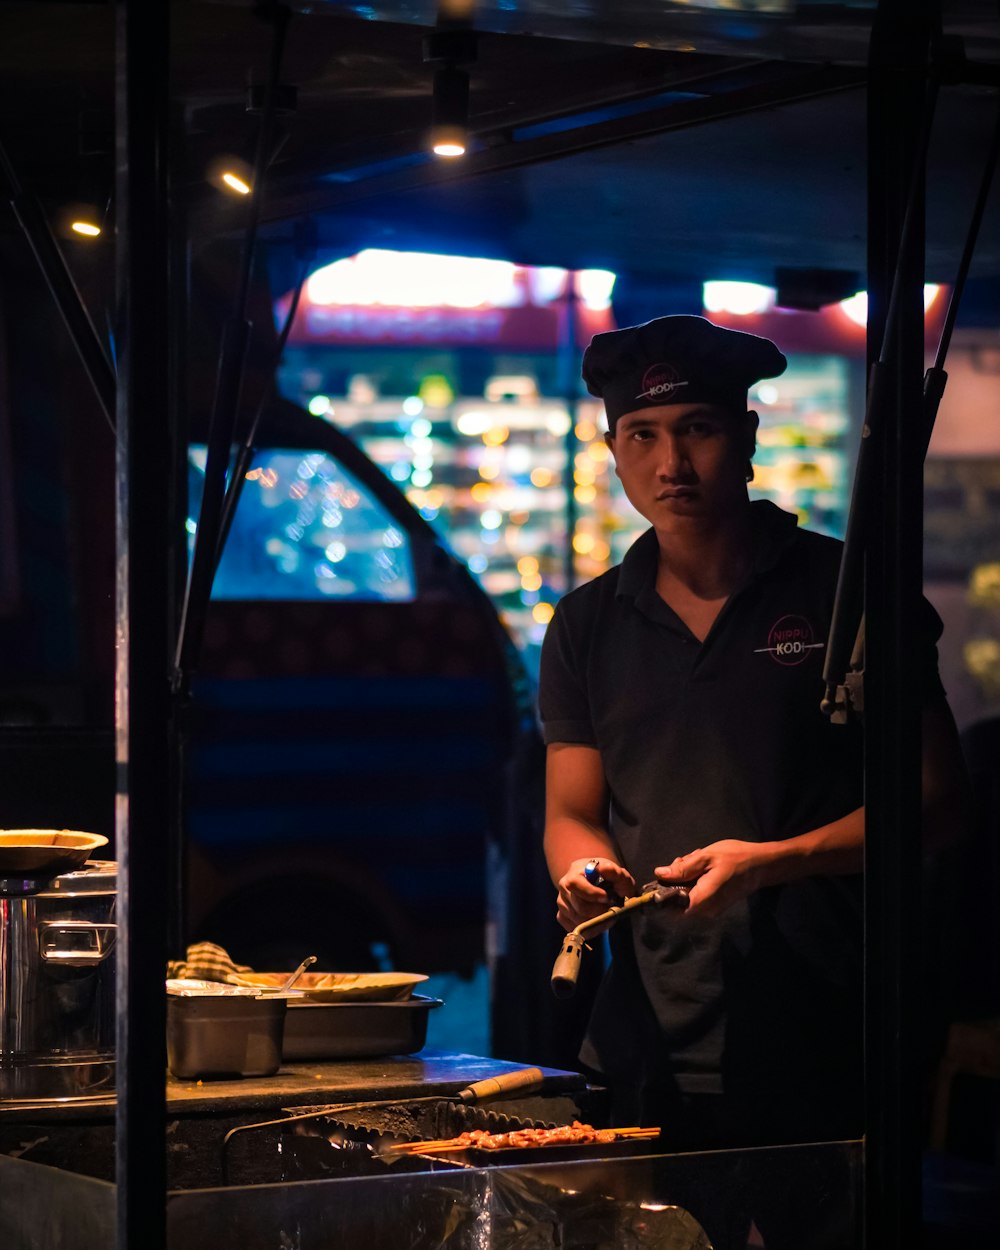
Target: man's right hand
{"x":578,"y":900}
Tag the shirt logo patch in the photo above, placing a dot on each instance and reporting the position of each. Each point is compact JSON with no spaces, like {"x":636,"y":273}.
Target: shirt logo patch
{"x":659,"y":382}
{"x":790,"y":641}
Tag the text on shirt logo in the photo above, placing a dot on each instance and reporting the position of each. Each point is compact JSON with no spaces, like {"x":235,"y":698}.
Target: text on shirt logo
{"x":790,"y":641}
{"x":659,"y":380}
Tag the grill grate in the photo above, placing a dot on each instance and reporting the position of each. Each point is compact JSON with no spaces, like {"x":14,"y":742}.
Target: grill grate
{"x":360,"y":1141}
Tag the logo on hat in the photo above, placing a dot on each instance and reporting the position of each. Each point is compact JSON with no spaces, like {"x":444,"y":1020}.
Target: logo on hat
{"x":660,"y":382}
{"x":790,"y":641}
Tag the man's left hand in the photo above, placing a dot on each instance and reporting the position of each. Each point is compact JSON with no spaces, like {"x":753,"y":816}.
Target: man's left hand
{"x":720,"y":875}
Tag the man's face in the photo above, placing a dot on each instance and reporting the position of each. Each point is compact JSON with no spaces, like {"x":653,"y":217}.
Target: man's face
{"x":683,"y":460}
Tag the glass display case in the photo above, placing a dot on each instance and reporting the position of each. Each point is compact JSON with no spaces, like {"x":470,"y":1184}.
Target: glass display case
{"x":652,"y":1202}
{"x":655,"y":1202}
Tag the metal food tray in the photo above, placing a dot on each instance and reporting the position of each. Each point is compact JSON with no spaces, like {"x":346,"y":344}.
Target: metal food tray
{"x":356,"y":1030}
{"x":224,"y":1035}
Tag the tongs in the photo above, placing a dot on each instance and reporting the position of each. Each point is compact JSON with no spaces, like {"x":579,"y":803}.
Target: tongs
{"x":479,"y":1091}
{"x":567,"y":966}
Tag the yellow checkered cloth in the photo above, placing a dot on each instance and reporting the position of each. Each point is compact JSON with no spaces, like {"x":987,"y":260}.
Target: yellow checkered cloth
{"x":205,"y":961}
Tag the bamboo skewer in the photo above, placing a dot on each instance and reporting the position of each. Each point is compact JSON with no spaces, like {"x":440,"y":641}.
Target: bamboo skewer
{"x":454,"y":1143}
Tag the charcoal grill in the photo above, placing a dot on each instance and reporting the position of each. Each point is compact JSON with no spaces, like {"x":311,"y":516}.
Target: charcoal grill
{"x":345,"y":1140}
{"x":472,"y":1199}
{"x":342,"y":1139}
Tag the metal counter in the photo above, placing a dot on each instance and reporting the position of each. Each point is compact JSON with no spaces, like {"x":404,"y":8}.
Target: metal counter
{"x":79,"y":1136}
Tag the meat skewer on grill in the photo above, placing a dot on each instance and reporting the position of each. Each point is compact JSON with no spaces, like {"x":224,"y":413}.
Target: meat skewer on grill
{"x":563,"y":1135}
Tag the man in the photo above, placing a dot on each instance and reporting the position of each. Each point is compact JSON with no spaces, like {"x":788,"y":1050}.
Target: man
{"x":680,"y":698}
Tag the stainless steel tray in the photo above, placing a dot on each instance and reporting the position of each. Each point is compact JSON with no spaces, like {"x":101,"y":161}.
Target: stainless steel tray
{"x":356,"y":1030}
{"x":224,"y":1035}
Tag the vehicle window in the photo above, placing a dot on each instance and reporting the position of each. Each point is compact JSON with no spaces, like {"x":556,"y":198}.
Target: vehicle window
{"x":305,"y":528}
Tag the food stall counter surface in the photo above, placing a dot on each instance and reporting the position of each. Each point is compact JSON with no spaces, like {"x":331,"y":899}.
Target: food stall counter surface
{"x":350,"y":1080}
{"x":344,"y":1080}
{"x":79,"y":1136}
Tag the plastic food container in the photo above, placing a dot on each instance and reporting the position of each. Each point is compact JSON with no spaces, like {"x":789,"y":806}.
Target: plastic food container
{"x":356,"y":1030}
{"x":223,"y":1031}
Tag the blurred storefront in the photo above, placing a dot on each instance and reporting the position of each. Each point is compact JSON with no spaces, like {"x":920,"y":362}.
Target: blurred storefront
{"x":460,"y":379}
{"x":961,"y":529}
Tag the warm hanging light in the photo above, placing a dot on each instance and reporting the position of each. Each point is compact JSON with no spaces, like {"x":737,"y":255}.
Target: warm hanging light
{"x":231,"y":174}
{"x":450,"y":119}
{"x":449,"y":143}
{"x":235,"y":183}
{"x":449,"y":50}
{"x":84,"y":220}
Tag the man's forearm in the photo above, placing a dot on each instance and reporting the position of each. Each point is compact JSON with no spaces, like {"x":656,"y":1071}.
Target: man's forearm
{"x":832,"y":850}
{"x":568,"y":839}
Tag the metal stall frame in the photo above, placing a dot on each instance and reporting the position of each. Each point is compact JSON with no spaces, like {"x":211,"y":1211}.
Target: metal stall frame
{"x":893,"y":517}
{"x":896,"y":87}
{"x":144,"y":624}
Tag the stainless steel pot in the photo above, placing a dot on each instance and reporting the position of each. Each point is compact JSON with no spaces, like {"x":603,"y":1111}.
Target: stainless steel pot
{"x":57,"y":984}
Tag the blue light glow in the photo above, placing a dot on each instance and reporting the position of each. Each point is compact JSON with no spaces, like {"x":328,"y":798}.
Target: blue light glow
{"x":280,"y":545}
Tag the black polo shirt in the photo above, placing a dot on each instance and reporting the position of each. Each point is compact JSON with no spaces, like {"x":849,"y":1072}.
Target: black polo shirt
{"x":713,"y":740}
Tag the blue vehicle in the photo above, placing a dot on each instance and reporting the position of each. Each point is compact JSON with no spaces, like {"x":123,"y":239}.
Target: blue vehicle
{"x":357,"y":713}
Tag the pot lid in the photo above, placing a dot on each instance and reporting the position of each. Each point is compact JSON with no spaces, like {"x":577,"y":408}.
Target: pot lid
{"x":97,"y":876}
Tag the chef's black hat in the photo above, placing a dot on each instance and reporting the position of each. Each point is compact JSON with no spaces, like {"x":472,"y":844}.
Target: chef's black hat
{"x":677,"y":360}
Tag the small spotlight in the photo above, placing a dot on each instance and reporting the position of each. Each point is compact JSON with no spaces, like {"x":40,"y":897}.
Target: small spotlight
{"x":450,"y":118}
{"x":448,"y":141}
{"x":230,"y":173}
{"x":449,"y":51}
{"x":82,"y":220}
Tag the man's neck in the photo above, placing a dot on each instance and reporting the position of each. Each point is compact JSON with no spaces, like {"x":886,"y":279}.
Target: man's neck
{"x":707,"y":558}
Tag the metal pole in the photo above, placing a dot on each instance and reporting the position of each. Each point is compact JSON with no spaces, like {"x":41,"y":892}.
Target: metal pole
{"x":569,"y":374}
{"x":64,"y":291}
{"x":143,"y":631}
{"x":229,"y":387}
{"x":179,"y":398}
{"x":900,"y":42}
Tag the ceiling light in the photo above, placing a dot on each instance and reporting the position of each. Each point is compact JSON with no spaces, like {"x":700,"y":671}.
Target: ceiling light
{"x":448,"y":142}
{"x":449,"y":50}
{"x":856,"y":308}
{"x":83,"y":220}
{"x":741,"y":299}
{"x":594,"y":287}
{"x":231,"y":173}
{"x":378,"y":276}
{"x":450,"y":118}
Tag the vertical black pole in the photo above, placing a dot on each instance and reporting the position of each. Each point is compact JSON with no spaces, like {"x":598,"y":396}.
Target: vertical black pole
{"x":569,"y":376}
{"x":179,"y":295}
{"x":143,"y":631}
{"x":893,"y":579}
